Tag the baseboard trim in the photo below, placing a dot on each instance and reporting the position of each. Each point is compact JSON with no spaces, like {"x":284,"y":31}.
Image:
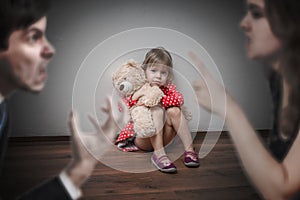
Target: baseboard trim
{"x":263,"y":133}
{"x":39,"y":139}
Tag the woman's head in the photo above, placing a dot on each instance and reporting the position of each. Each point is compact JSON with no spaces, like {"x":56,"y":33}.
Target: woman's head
{"x":158,"y":66}
{"x":261,"y":43}
{"x":272,"y":28}
{"x":284,"y":19}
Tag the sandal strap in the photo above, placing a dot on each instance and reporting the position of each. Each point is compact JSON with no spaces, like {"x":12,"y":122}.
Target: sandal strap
{"x":192,"y":154}
{"x":165,"y":160}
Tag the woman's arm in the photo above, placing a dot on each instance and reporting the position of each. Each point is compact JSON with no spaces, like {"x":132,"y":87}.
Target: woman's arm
{"x":274,"y":180}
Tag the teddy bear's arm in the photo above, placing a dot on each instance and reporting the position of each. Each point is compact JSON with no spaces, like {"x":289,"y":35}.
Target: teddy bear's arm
{"x":153,"y":96}
{"x":141,"y":92}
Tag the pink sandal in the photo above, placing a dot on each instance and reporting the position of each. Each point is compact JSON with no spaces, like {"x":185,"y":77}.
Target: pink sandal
{"x":191,"y":159}
{"x":163,"y":163}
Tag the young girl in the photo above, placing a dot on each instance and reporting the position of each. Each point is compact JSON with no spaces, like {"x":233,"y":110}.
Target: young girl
{"x":168,"y":121}
{"x":272,"y":29}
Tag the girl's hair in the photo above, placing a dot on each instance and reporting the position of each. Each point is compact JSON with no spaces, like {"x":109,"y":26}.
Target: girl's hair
{"x":159,"y":55}
{"x":284,"y":18}
{"x":19,"y":14}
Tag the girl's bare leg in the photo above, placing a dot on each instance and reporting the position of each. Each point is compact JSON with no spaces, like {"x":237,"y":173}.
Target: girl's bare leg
{"x":176,"y":123}
{"x":155,"y":142}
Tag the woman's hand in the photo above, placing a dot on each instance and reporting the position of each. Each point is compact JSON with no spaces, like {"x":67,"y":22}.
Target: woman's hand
{"x":210,"y":94}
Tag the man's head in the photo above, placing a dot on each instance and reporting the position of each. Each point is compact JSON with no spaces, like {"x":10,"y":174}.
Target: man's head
{"x":24,"y":49}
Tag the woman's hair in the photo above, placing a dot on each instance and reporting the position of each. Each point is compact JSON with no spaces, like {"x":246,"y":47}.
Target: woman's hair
{"x":159,"y":55}
{"x":19,"y":14}
{"x":284,"y":18}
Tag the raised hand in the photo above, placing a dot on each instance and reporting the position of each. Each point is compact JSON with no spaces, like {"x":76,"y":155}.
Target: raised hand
{"x":210,"y":94}
{"x":87,"y":148}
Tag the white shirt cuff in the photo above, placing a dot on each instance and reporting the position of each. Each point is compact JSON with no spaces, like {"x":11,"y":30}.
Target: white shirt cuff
{"x":73,"y":191}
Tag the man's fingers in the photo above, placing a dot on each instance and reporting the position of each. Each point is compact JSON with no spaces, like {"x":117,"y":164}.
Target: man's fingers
{"x":73,"y":123}
{"x":94,"y":122}
{"x":108,"y":134}
{"x":107,"y":107}
{"x":75,"y":131}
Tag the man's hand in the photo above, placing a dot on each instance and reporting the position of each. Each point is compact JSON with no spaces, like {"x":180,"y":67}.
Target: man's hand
{"x":87,"y":148}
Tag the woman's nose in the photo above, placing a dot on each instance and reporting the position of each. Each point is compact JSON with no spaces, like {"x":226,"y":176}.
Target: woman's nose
{"x":244,"y":24}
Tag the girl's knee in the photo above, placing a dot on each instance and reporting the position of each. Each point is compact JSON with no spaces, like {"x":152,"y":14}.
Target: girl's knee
{"x":174,"y":112}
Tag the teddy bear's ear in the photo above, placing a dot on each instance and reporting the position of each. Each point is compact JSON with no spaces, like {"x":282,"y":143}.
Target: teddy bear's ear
{"x":132,"y":63}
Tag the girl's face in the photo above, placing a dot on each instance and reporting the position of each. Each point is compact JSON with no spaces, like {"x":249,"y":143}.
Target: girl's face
{"x":261,"y":43}
{"x":158,"y":74}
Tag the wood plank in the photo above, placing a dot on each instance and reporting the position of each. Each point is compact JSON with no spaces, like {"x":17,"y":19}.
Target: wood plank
{"x":219,"y":177}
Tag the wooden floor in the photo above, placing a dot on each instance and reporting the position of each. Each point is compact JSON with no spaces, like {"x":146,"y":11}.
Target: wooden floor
{"x":219,"y":176}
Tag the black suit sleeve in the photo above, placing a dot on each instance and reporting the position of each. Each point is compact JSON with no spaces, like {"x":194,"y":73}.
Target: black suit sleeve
{"x":4,"y":132}
{"x":51,"y":190}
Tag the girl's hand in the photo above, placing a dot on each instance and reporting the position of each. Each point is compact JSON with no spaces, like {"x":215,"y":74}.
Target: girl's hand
{"x":210,"y":94}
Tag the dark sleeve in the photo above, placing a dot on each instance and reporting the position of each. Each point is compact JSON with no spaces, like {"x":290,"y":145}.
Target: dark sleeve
{"x":51,"y":190}
{"x":4,"y":133}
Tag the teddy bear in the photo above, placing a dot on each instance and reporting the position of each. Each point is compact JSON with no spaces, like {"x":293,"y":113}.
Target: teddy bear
{"x":130,"y":82}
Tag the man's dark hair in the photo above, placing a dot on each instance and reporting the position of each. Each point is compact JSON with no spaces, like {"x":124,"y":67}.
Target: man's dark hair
{"x":19,"y":14}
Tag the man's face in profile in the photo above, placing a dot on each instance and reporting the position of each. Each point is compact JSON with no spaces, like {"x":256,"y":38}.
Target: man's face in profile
{"x":27,"y":57}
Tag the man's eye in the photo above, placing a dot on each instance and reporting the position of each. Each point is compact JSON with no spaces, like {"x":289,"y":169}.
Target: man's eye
{"x":34,"y":37}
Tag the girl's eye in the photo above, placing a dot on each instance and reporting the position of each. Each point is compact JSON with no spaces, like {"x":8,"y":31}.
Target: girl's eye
{"x":153,"y":71}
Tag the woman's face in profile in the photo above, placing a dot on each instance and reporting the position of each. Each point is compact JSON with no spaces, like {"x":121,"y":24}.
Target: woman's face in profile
{"x":261,"y":43}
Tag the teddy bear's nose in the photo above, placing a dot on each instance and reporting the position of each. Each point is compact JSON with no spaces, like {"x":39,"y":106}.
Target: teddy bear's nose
{"x":125,"y":87}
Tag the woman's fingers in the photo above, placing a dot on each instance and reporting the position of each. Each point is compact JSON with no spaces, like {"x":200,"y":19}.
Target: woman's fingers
{"x":198,"y":62}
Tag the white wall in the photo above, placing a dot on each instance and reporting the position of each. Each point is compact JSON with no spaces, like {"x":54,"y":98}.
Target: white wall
{"x":77,"y":27}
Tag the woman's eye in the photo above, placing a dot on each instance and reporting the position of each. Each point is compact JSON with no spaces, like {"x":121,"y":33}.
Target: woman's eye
{"x":256,"y":14}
